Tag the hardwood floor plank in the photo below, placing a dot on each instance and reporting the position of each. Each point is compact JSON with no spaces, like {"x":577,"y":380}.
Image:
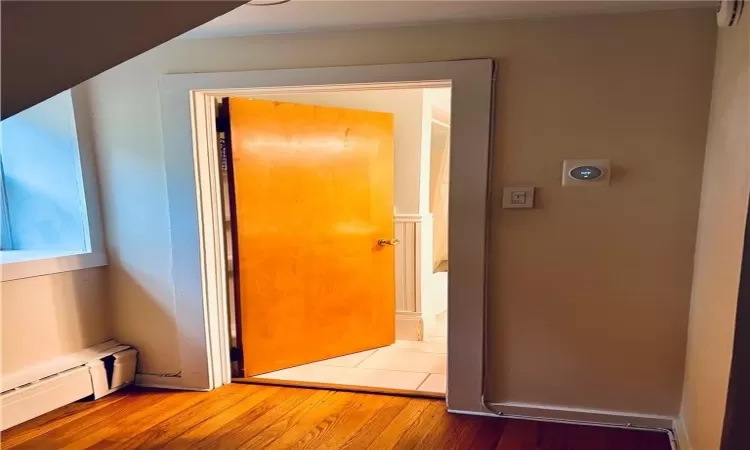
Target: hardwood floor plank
{"x":375,"y":426}
{"x":119,"y":429}
{"x":422,"y":428}
{"x":311,"y":419}
{"x":274,"y":431}
{"x":451,"y":431}
{"x":519,"y":435}
{"x":340,"y":427}
{"x":254,"y":421}
{"x":265,"y":417}
{"x":162,"y":433}
{"x":403,"y":421}
{"x":488,"y":435}
{"x":554,"y":436}
{"x":81,"y":427}
{"x":213,"y":426}
{"x":55,"y":419}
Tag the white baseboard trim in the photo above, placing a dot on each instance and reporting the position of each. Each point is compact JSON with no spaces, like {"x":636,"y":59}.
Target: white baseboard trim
{"x":59,"y":364}
{"x":33,"y":400}
{"x":472,"y":413}
{"x":590,"y":416}
{"x":680,"y":433}
{"x":409,"y":326}
{"x":162,"y":382}
{"x":47,"y":391}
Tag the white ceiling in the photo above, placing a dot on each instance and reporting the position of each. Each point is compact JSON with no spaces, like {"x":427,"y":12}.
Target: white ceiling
{"x":308,"y":15}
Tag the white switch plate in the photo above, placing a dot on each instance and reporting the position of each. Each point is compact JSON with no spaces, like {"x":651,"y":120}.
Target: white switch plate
{"x":518,"y":197}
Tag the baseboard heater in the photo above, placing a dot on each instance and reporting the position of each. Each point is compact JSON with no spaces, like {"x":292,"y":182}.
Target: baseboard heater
{"x":93,"y":373}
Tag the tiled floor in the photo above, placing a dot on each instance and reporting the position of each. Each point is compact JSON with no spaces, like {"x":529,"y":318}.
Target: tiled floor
{"x":405,"y":365}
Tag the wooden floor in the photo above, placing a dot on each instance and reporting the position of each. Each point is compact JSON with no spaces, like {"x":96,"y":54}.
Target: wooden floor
{"x":248,"y":416}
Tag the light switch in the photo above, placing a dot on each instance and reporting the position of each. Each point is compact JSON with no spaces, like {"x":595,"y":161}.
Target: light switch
{"x":518,"y":197}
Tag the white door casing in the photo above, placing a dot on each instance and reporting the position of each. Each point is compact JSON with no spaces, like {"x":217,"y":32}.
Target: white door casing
{"x":194,"y":192}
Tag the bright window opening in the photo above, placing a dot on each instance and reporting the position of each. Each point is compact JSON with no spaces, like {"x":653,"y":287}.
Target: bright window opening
{"x":42,"y":190}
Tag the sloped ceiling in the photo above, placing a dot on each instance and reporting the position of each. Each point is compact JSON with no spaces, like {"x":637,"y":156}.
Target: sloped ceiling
{"x":310,"y":15}
{"x":50,"y":46}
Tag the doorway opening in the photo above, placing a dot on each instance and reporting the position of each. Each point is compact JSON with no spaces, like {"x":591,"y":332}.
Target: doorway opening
{"x":336,"y":210}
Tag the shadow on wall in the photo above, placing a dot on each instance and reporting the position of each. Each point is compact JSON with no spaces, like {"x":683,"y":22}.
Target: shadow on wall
{"x":137,"y":236}
{"x":154,"y":325}
{"x":48,"y":316}
{"x":86,"y":318}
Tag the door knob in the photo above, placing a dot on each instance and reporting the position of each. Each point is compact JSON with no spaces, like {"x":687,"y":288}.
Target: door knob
{"x":384,"y":242}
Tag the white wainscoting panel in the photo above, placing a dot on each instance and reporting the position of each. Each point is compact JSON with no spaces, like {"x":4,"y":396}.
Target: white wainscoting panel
{"x":407,"y":229}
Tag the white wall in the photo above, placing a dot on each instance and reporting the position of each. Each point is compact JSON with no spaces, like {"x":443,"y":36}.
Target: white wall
{"x":48,"y":316}
{"x":720,"y":240}
{"x":129,"y":156}
{"x":631,"y":87}
{"x":406,"y":106}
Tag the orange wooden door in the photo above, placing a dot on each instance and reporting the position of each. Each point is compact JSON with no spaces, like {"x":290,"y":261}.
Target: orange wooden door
{"x":313,"y":196}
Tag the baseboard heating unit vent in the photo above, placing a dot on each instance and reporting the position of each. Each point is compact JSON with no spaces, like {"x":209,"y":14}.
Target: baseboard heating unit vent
{"x":93,"y":373}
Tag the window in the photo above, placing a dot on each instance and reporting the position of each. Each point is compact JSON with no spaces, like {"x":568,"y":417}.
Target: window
{"x":5,"y":241}
{"x":46,"y":204}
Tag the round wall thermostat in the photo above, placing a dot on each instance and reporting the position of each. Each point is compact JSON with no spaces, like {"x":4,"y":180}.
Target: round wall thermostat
{"x":586,"y":173}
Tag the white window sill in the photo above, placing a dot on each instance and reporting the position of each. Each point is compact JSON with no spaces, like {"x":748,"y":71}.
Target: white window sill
{"x":17,"y":264}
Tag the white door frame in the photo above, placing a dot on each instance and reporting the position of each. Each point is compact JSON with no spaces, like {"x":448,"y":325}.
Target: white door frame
{"x":192,"y":173}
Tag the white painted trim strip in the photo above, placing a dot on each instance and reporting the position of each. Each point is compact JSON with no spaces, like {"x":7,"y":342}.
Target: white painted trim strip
{"x":400,"y":256}
{"x":407,"y":218}
{"x":473,"y":413}
{"x":89,"y":179}
{"x":582,"y":415}
{"x":48,"y":266}
{"x":562,"y":411}
{"x":59,"y":364}
{"x":416,"y":266}
{"x":681,"y":435}
{"x":212,"y":233}
{"x":161,"y":382}
{"x":49,"y":386}
{"x":33,"y":400}
{"x":409,"y":314}
{"x":320,"y":88}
